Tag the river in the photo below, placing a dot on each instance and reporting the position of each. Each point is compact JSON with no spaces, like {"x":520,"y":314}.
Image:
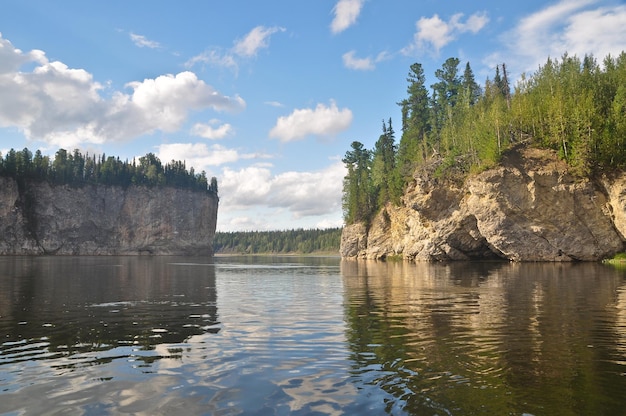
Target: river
{"x":309,"y":336}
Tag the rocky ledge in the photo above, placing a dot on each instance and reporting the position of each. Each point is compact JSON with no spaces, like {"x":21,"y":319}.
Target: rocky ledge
{"x":529,"y":208}
{"x":41,"y":218}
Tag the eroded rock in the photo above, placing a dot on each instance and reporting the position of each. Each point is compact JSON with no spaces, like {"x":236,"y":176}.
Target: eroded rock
{"x":527,"y":209}
{"x":40,"y":218}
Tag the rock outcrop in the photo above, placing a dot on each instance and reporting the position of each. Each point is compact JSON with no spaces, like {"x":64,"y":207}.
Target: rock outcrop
{"x":529,"y":208}
{"x":40,"y":218}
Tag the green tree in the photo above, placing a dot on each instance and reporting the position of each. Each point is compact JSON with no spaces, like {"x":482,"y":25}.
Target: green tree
{"x":470,"y":91}
{"x":415,"y":109}
{"x":385,"y":177}
{"x":357,"y":187}
{"x":444,"y":99}
{"x":61,"y":166}
{"x":213,"y":184}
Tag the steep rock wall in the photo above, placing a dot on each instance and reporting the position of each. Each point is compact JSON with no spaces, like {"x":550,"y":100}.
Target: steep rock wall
{"x":527,"y":209}
{"x":40,"y":218}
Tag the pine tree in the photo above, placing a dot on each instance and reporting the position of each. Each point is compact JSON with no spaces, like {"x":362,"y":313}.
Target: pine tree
{"x":415,"y":122}
{"x":357,"y":188}
{"x":470,"y":89}
{"x":384,"y":172}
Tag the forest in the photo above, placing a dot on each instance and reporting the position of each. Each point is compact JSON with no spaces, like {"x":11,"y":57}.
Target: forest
{"x":76,"y":169}
{"x":298,"y":241}
{"x":575,"y":107}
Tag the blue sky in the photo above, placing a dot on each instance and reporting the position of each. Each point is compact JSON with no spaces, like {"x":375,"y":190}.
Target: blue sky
{"x":265,"y":95}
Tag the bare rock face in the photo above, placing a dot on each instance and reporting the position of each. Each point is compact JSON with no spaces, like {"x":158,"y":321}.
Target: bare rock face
{"x":40,"y":218}
{"x":353,"y":240}
{"x":527,"y":209}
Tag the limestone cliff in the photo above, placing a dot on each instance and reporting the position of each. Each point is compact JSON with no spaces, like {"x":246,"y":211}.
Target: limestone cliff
{"x":529,"y":208}
{"x":40,"y":218}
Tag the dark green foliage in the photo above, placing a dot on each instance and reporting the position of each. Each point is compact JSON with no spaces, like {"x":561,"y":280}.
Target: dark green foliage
{"x":299,"y":241}
{"x":577,"y":108}
{"x":358,"y":191}
{"x":386,"y":180}
{"x":77,"y":169}
{"x":415,"y":122}
{"x":470,"y":92}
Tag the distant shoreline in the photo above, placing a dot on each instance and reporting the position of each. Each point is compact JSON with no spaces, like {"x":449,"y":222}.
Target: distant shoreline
{"x":271,"y":254}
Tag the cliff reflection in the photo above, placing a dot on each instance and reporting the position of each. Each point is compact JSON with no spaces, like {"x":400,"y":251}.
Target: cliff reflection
{"x":82,"y":304}
{"x":489,"y":338}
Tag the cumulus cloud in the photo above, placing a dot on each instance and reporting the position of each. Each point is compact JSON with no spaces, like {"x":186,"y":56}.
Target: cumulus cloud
{"x":143,"y":42}
{"x":321,"y":121}
{"x":208,"y":131}
{"x":577,"y":27}
{"x":350,"y":61}
{"x":346,"y":12}
{"x":297,"y":192}
{"x":63,"y":106}
{"x":433,"y":33}
{"x":198,"y":155}
{"x":11,"y":58}
{"x":203,"y":157}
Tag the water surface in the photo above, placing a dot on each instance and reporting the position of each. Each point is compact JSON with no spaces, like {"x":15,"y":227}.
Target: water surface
{"x":310,"y":335}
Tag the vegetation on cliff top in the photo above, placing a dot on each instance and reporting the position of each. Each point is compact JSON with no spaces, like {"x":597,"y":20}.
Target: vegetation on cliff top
{"x":78,"y":169}
{"x":298,"y":241}
{"x":575,"y":107}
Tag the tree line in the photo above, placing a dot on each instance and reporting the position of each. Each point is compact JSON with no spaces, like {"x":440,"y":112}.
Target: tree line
{"x":74,"y":168}
{"x":303,"y":241}
{"x":575,"y":107}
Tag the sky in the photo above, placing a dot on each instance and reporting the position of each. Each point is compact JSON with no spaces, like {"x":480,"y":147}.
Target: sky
{"x":266,"y":96}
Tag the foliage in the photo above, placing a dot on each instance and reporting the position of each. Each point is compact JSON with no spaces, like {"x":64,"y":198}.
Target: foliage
{"x":77,"y":169}
{"x":281,"y":242}
{"x":576,"y":107}
{"x":385,"y":177}
{"x":358,"y":196}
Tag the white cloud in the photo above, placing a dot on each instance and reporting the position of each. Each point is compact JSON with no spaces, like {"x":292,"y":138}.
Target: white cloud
{"x":198,"y":155}
{"x":573,"y":26}
{"x":201,"y":156}
{"x":246,"y":187}
{"x":321,"y":121}
{"x":246,"y":47}
{"x":302,"y":194}
{"x":350,"y":61}
{"x":346,"y":12}
{"x":433,"y":33}
{"x":63,"y":106}
{"x":274,"y":104}
{"x":215,"y":58}
{"x":257,"y":38}
{"x":143,"y":42}
{"x":212,"y":133}
{"x":11,"y":58}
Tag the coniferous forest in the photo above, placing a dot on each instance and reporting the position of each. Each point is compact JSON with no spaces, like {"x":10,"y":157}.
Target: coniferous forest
{"x":77,"y":169}
{"x":575,"y":107}
{"x":298,"y":241}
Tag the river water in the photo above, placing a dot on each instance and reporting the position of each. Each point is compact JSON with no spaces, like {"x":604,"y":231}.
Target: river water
{"x":309,"y":335}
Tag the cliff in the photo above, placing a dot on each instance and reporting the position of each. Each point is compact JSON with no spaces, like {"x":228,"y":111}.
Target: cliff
{"x":41,"y":218}
{"x":529,"y":208}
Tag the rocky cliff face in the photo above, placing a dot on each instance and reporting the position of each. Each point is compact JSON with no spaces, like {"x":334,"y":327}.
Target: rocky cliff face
{"x":527,"y":209}
{"x":39,"y":218}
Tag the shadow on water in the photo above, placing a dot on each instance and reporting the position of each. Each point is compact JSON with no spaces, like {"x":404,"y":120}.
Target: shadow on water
{"x":489,"y":338}
{"x":60,"y":306}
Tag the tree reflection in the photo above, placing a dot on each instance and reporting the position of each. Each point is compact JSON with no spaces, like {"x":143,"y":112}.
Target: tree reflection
{"x":82,"y":304}
{"x":489,"y":338}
